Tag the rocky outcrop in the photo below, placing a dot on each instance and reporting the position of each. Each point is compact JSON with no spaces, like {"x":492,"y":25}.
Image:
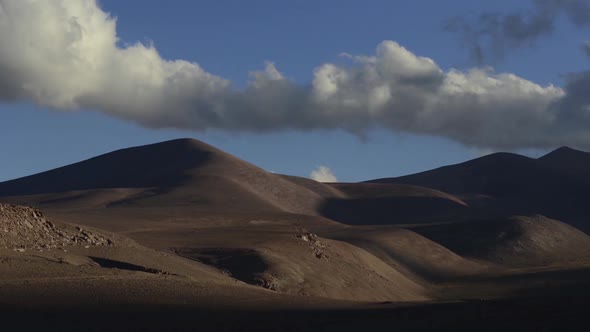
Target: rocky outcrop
{"x":25,"y":228}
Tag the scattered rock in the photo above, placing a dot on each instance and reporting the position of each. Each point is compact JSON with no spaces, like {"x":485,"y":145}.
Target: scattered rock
{"x":267,"y":281}
{"x":25,"y":228}
{"x":313,"y":242}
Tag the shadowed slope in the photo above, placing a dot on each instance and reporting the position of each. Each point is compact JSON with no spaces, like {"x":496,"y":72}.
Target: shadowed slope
{"x":409,"y":252}
{"x":517,"y":241}
{"x":383,"y":204}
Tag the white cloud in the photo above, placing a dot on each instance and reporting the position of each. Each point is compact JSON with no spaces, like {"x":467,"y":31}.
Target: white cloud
{"x":65,"y":54}
{"x":323,"y":174}
{"x":404,"y":92}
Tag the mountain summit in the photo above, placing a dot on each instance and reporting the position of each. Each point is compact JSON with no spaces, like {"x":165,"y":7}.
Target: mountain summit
{"x":180,"y":171}
{"x":155,"y":165}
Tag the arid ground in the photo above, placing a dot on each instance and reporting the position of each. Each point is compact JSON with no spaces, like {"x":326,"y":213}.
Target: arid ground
{"x":182,"y":236}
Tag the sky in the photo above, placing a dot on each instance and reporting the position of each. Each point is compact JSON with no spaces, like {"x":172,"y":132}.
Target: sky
{"x":338,"y":90}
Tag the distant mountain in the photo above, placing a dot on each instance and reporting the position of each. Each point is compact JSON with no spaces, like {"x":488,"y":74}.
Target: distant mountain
{"x":556,"y":185}
{"x":177,"y":172}
{"x":156,"y":165}
{"x":189,"y":174}
{"x":498,"y":175}
{"x":567,"y":160}
{"x":198,"y":178}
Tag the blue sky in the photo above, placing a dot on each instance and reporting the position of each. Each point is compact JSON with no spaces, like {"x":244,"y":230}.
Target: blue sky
{"x":232,"y":38}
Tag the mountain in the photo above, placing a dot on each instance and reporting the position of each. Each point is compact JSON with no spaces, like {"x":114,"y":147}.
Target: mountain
{"x":190,"y":199}
{"x":183,"y":222}
{"x":570,"y":161}
{"x":177,"y":172}
{"x":196,"y":177}
{"x":498,"y":175}
{"x":505,"y":184}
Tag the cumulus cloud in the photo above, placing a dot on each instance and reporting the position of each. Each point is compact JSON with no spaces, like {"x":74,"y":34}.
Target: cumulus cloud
{"x":323,"y":174}
{"x":65,"y":54}
{"x":586,"y":48}
{"x":490,"y":34}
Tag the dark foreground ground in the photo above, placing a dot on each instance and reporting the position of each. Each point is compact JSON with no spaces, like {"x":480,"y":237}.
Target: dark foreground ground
{"x":530,"y":314}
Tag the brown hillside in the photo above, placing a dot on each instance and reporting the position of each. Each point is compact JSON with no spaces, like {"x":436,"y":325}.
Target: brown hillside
{"x":516,"y":242}
{"x":183,"y":171}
